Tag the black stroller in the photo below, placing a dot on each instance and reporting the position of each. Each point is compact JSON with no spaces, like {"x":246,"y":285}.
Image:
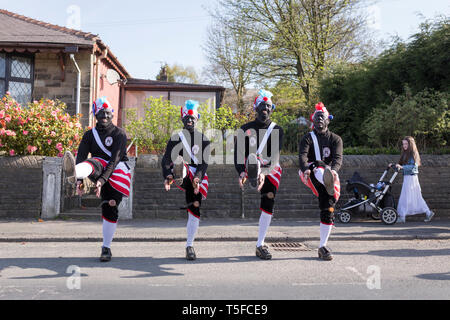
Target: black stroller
{"x":376,"y":201}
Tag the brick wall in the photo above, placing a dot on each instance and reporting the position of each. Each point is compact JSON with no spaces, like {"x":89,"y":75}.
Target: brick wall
{"x":293,"y":200}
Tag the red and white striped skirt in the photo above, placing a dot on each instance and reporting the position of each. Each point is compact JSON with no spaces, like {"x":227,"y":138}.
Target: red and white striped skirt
{"x":120,"y":179}
{"x":274,"y":176}
{"x":203,"y":188}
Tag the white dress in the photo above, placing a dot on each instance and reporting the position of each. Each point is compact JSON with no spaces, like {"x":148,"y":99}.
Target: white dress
{"x":411,"y":201}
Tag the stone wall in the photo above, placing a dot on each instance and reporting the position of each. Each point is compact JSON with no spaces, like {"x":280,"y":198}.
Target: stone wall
{"x":20,"y":187}
{"x":294,"y":200}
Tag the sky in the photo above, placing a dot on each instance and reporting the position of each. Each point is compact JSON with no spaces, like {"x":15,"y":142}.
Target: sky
{"x":144,"y":34}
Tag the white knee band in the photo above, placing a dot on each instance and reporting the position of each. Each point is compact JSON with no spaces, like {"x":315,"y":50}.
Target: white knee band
{"x":83,"y":170}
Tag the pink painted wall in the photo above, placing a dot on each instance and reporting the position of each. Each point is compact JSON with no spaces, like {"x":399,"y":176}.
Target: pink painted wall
{"x":111,"y":92}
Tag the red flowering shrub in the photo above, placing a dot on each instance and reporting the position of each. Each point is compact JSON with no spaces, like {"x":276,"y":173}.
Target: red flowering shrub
{"x":41,"y":128}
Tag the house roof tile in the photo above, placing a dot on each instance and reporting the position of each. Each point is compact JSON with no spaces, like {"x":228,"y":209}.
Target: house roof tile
{"x":15,"y":28}
{"x":19,"y":31}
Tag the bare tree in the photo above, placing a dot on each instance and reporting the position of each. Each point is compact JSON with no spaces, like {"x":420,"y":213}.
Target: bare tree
{"x":232,"y":56}
{"x":296,"y":39}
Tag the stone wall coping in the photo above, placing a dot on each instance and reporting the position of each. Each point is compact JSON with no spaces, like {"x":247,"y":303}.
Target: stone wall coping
{"x":291,"y":161}
{"x":32,"y":162}
{"x":287,"y":161}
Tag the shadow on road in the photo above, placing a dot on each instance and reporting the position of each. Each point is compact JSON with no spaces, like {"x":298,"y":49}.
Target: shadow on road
{"x":148,"y":266}
{"x":435,"y":276}
{"x":398,"y":253}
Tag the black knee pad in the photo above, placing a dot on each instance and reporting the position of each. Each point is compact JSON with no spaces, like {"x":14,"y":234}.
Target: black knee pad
{"x":327,"y":216}
{"x":267,"y":203}
{"x":195,"y":211}
{"x":110,"y":213}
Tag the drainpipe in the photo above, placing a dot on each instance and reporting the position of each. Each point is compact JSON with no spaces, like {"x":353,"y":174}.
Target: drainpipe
{"x":72,"y":56}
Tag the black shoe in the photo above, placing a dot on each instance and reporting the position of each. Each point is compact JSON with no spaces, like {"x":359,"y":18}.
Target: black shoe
{"x":253,"y":168}
{"x":179,"y":170}
{"x":69,"y":167}
{"x":106,"y":254}
{"x":190,"y":253}
{"x":328,"y":181}
{"x":325,"y":254}
{"x":263,"y":253}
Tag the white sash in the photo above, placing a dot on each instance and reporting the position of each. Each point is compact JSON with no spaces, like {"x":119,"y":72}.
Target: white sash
{"x":99,"y":142}
{"x":187,"y":147}
{"x":316,"y":146}
{"x":266,"y":137}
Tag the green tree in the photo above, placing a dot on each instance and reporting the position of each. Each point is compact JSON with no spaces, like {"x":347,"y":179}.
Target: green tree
{"x":289,"y":99}
{"x":177,"y":73}
{"x":351,"y":92}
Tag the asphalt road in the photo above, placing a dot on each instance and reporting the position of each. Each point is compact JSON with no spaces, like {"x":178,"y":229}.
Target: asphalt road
{"x":412,"y":269}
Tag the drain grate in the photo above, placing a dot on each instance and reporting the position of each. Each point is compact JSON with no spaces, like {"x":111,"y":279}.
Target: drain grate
{"x":289,"y":246}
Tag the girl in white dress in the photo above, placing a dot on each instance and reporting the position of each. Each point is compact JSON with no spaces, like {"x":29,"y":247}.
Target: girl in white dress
{"x":411,"y":200}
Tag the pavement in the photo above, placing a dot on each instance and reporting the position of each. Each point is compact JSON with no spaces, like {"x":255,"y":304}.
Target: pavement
{"x":281,"y":230}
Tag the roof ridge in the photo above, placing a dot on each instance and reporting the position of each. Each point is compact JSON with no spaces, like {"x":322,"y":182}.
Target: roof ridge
{"x":78,"y":33}
{"x":137,"y":81}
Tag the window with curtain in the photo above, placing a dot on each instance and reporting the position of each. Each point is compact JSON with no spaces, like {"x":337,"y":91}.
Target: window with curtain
{"x":16,"y":76}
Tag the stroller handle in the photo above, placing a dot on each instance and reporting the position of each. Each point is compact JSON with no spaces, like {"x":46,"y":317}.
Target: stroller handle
{"x":393,"y":167}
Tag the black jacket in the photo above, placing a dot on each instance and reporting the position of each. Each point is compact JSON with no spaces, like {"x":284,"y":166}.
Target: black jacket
{"x":331,"y":147}
{"x":241,"y":153}
{"x":194,"y":138}
{"x":118,"y":148}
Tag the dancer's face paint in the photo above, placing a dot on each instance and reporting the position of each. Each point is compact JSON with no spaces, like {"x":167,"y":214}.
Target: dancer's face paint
{"x":320,"y":121}
{"x":104,"y":117}
{"x":263,"y":112}
{"x":189,"y":123}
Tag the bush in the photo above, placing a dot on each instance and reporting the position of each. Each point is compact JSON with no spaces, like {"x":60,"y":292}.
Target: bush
{"x":155,"y":128}
{"x":161,"y":119}
{"x":425,"y":116}
{"x":41,"y":128}
{"x":222,"y":119}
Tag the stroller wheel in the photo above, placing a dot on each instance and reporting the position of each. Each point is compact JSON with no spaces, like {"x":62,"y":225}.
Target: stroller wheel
{"x":389,"y":215}
{"x":344,"y":216}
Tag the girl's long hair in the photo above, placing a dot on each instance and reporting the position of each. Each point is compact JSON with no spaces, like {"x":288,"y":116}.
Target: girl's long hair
{"x":409,"y":153}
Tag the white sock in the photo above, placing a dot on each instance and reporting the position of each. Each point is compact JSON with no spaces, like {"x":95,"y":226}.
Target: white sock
{"x":108,"y":233}
{"x":325,"y":231}
{"x":264,"y":223}
{"x":318,"y":174}
{"x":192,"y":227}
{"x":83,"y":170}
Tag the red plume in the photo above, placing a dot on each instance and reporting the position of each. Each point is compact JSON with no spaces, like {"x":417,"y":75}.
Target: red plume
{"x":320,"y":106}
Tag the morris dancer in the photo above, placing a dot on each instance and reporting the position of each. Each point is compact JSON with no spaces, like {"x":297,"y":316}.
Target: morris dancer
{"x":256,"y":158}
{"x":107,"y":168}
{"x":184,"y":164}
{"x":320,"y":153}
